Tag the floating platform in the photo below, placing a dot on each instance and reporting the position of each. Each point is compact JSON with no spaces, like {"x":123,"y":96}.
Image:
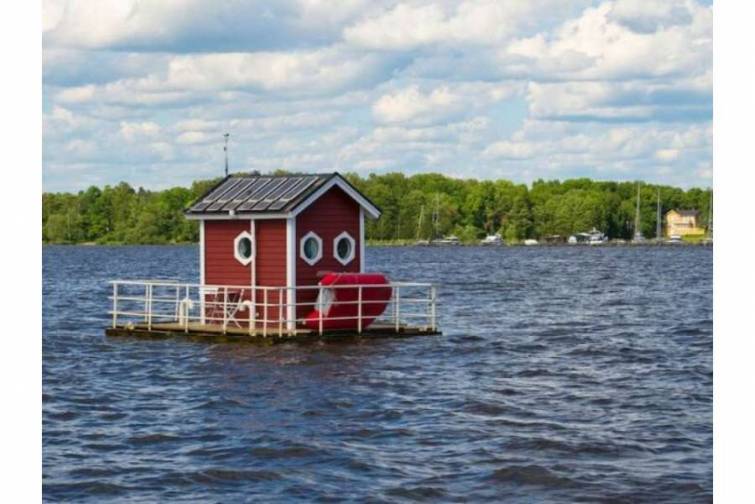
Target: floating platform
{"x":155,"y":309}
{"x":213,"y":333}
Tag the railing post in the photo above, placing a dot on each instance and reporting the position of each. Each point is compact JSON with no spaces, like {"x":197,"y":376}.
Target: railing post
{"x":359,"y":310}
{"x":225,"y":307}
{"x":280,"y":312}
{"x":146,"y":302}
{"x":396,"y":312}
{"x":178,"y":300}
{"x":115,"y":304}
{"x":253,"y":314}
{"x":201,"y":290}
{"x":186,"y":315}
{"x":292,"y":299}
{"x":264,"y":322}
{"x":319,"y":309}
{"x":433,"y":295}
{"x":149,"y":306}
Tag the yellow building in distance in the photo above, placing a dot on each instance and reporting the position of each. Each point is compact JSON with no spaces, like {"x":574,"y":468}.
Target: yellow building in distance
{"x":682,"y":222}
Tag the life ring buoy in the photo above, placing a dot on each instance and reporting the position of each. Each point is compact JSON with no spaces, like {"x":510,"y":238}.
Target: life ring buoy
{"x":340,"y":307}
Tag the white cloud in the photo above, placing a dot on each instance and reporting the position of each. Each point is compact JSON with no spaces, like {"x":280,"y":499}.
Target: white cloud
{"x":194,"y":25}
{"x":411,"y":103}
{"x":705,"y":171}
{"x":444,"y":103}
{"x":325,"y":69}
{"x":649,"y":15}
{"x":79,"y":148}
{"x":612,"y":152}
{"x":163,"y":149}
{"x":542,"y":88}
{"x":619,"y":101}
{"x":409,"y":25}
{"x":510,"y":150}
{"x":192,"y":78}
{"x":195,"y":137}
{"x":666,"y":154}
{"x":132,"y":131}
{"x":196,"y":125}
{"x":597,"y":46}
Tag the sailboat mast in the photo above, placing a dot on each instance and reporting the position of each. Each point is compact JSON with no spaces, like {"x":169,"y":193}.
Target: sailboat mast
{"x":658,"y":222}
{"x":637,"y":232}
{"x":419,"y":222}
{"x":436,"y":216}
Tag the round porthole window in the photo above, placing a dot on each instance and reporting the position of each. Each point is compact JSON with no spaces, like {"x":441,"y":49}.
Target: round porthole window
{"x":311,"y":248}
{"x":243,"y":248}
{"x":344,"y":248}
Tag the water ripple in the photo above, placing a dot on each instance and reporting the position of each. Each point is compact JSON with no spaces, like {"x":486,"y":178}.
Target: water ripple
{"x":563,"y":375}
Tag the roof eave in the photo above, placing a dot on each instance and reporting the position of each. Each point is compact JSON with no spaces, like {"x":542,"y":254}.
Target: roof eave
{"x":237,"y":216}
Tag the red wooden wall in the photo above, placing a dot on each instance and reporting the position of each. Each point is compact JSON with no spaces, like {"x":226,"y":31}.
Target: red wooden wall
{"x":329,"y":216}
{"x":222,"y":268}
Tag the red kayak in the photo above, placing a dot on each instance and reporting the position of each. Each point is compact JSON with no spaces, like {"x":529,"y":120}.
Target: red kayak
{"x":340,"y":309}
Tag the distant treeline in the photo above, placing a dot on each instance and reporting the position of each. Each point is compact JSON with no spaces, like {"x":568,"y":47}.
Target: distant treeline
{"x":416,"y":207}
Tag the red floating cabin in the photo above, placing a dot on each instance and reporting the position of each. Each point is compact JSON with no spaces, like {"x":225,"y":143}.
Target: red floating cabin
{"x":277,"y":254}
{"x":281,"y":231}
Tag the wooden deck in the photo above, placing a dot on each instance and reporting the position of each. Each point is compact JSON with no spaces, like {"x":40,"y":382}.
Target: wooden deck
{"x":213,"y":333}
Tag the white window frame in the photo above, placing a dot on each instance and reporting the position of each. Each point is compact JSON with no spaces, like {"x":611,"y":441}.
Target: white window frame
{"x":352,"y":250}
{"x":303,"y":240}
{"x":244,"y":260}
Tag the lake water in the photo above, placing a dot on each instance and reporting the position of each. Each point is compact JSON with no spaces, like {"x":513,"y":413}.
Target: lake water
{"x":564,"y":374}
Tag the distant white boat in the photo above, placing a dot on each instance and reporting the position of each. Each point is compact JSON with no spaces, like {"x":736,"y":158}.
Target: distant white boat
{"x":674,"y":239}
{"x":596,"y":237}
{"x":593,"y":237}
{"x":448,"y":240}
{"x":530,"y":241}
{"x":494,"y":239}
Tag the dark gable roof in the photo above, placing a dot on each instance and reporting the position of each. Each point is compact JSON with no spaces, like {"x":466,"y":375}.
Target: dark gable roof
{"x":686,"y":213}
{"x":260,"y":194}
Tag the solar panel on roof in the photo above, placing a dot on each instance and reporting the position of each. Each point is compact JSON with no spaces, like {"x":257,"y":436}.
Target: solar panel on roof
{"x":258,"y":196}
{"x":248,"y":191}
{"x":293,"y":193}
{"x":259,"y":192}
{"x":228,"y":196}
{"x":215,"y":194}
{"x":277,"y":193}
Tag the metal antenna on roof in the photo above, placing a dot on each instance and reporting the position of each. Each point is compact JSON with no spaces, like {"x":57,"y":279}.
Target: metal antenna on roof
{"x":225,"y":150}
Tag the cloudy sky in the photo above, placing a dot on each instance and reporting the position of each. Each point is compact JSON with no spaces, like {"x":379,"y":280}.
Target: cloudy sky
{"x":143,"y":90}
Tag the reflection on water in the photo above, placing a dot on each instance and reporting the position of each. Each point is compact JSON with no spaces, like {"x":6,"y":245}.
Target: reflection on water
{"x":563,"y":374}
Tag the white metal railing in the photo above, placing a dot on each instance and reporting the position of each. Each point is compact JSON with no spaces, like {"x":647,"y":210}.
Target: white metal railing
{"x":262,"y":310}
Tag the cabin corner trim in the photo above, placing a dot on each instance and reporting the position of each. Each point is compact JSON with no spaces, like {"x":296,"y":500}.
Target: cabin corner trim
{"x":201,"y":253}
{"x":361,"y":240}
{"x":291,"y":253}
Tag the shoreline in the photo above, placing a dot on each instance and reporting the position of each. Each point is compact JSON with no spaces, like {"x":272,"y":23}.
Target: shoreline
{"x":381,"y":244}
